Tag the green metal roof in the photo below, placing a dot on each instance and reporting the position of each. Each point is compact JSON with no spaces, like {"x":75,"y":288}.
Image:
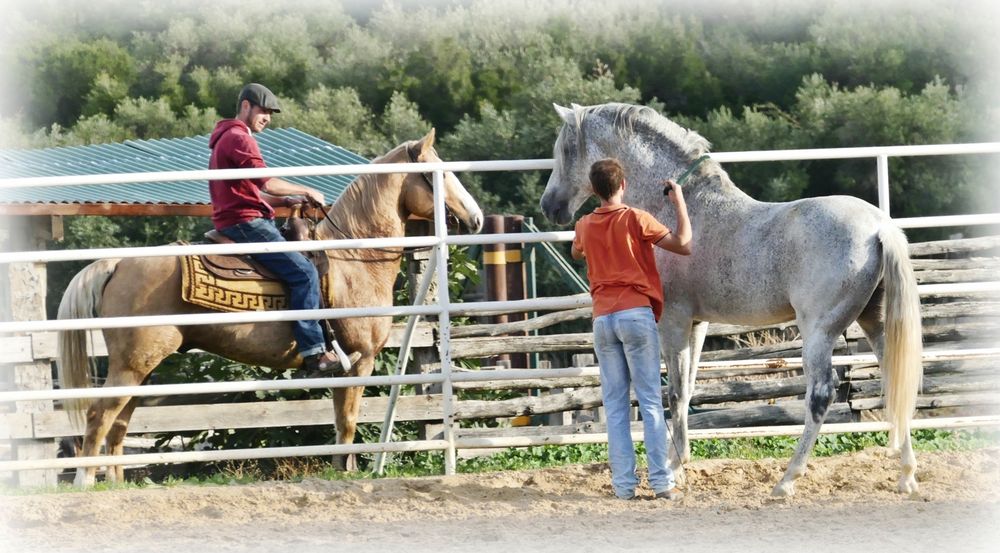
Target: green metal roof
{"x":280,"y":147}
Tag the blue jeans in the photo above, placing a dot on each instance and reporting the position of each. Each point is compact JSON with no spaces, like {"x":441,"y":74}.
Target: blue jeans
{"x":295,"y":271}
{"x":628,"y":351}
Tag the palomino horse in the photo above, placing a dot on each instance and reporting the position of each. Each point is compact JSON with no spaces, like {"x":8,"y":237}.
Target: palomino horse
{"x":373,"y":206}
{"x":824,"y":262}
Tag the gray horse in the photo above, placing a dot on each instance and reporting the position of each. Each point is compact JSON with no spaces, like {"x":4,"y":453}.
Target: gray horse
{"x":824,"y":262}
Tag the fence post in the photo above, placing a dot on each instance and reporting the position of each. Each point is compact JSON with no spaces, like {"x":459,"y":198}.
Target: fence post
{"x":882,"y":173}
{"x":495,"y":267}
{"x":515,"y":281}
{"x":424,"y":359}
{"x":26,"y":284}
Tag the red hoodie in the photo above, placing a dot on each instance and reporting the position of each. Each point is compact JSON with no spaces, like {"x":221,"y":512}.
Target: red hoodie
{"x":236,"y":201}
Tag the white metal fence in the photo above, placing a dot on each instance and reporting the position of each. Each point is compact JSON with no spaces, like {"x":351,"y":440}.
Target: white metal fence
{"x":443,"y":309}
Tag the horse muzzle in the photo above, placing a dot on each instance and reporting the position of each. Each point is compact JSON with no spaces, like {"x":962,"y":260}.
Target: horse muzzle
{"x":556,"y":210}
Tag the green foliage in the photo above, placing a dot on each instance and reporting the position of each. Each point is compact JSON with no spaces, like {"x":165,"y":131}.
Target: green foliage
{"x":836,"y":444}
{"x":536,"y":457}
{"x":71,"y":75}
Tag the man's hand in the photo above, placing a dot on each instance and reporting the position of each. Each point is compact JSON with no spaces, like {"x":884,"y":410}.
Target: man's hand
{"x":292,"y":201}
{"x":315,"y":197}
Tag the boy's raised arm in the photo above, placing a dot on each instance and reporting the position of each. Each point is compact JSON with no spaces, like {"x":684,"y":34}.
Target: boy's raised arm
{"x":678,"y":241}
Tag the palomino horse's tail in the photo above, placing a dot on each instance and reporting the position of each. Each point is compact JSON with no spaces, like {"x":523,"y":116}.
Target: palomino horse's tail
{"x":902,"y":367}
{"x":80,"y":301}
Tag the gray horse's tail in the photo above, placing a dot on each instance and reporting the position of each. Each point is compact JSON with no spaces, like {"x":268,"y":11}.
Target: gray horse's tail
{"x":902,"y":366}
{"x":80,"y":301}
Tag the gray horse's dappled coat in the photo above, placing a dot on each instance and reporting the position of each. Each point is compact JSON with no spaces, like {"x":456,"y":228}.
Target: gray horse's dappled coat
{"x":824,"y":262}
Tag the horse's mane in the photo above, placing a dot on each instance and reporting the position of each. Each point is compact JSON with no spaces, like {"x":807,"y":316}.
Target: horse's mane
{"x":631,"y":119}
{"x":362,"y":198}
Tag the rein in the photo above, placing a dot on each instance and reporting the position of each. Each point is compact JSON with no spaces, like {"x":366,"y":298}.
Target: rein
{"x":326,"y":215}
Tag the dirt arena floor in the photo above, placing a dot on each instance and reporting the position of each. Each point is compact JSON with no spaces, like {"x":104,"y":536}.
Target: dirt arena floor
{"x":845,"y":503}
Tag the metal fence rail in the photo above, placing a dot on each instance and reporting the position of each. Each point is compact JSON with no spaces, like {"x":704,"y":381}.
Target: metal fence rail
{"x":444,"y":309}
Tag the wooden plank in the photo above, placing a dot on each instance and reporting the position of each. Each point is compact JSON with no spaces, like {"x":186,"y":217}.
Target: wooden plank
{"x":15,"y":426}
{"x":931,"y":385}
{"x":963,"y":245}
{"x":266,"y":414}
{"x":585,"y":398}
{"x":752,"y":390}
{"x":955,"y":263}
{"x":789,"y":412}
{"x":984,"y":366}
{"x":933,"y":401}
{"x":535,"y":323}
{"x":956,"y":275}
{"x":16,"y":349}
{"x":42,"y":345}
{"x":495,"y":345}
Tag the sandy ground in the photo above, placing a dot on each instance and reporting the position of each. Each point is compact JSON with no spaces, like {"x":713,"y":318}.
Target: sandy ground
{"x":845,"y":503}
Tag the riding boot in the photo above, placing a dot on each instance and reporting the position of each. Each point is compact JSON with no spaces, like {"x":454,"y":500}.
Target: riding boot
{"x":336,"y":362}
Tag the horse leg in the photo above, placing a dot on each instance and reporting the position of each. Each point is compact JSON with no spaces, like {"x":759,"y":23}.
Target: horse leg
{"x":873,"y":325}
{"x":697,"y":342}
{"x":817,"y":351}
{"x":675,"y":337}
{"x":115,"y":442}
{"x":100,"y":418}
{"x":133,"y":355}
{"x":347,"y":403}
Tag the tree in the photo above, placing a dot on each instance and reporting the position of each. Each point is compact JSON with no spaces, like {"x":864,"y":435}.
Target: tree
{"x":68,"y":70}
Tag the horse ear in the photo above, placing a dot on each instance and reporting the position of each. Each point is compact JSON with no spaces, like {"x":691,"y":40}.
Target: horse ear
{"x":565,"y":114}
{"x":427,"y":142}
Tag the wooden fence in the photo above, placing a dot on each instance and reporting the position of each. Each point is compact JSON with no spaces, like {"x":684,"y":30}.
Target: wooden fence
{"x":763,"y":391}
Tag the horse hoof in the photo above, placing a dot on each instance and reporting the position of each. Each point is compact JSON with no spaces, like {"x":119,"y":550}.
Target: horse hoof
{"x":82,"y":480}
{"x":679,"y":478}
{"x":908,"y":486}
{"x":783,"y":489}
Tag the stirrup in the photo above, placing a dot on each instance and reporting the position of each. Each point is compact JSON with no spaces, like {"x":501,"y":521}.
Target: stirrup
{"x":345,"y":360}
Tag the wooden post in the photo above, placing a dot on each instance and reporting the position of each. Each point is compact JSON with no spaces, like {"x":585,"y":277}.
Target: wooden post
{"x":23,"y":286}
{"x":495,"y":267}
{"x":424,"y":358}
{"x":515,"y":278}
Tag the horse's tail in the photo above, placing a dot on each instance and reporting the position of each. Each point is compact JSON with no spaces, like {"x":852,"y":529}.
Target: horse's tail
{"x":902,"y":366}
{"x":80,"y":301}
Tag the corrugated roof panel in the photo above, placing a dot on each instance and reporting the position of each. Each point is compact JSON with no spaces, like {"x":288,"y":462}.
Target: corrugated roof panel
{"x":280,"y":147}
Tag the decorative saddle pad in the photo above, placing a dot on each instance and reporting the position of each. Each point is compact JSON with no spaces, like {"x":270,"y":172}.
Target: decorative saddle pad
{"x":209,"y":286}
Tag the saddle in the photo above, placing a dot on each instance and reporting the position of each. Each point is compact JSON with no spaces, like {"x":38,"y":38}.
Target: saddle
{"x":243,"y":266}
{"x":237,"y":282}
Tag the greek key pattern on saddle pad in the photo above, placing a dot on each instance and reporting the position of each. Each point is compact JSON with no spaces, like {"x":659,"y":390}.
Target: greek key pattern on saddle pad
{"x":202,"y":288}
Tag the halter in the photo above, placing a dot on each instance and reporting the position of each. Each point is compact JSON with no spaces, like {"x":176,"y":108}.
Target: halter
{"x":684,"y":176}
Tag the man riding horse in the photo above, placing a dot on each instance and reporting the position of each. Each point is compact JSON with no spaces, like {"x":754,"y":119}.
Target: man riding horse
{"x":243,"y":211}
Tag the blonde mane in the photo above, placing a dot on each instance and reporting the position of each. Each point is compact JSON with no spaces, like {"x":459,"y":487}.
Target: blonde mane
{"x":353,"y":212}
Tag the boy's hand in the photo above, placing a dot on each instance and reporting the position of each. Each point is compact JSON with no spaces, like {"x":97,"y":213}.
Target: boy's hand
{"x":673,"y":191}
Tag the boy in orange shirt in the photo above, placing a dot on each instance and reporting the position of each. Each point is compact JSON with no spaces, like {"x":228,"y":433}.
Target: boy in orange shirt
{"x":617,"y":241}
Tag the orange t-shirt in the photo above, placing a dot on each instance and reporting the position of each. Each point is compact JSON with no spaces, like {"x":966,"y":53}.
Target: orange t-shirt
{"x":618,"y":244}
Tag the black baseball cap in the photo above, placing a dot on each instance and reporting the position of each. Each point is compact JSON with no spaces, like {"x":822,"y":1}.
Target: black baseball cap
{"x":259,"y":95}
